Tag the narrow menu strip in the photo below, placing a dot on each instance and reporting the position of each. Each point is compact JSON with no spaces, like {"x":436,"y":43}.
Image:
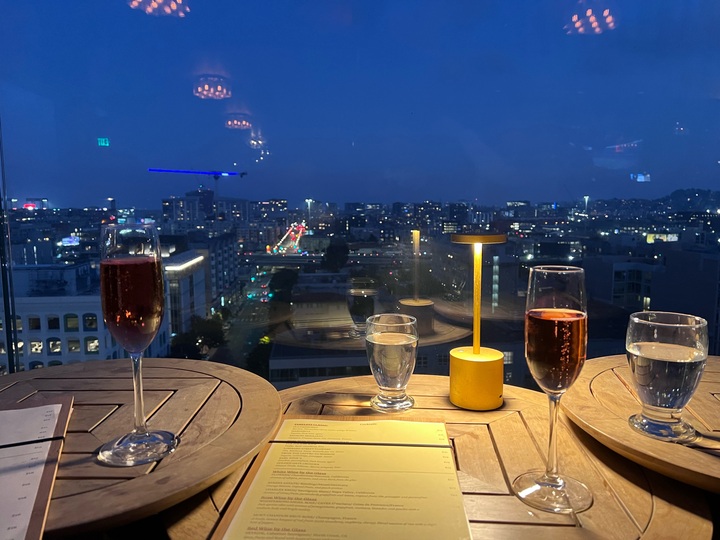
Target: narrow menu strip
{"x":31,"y":441}
{"x":363,"y":431}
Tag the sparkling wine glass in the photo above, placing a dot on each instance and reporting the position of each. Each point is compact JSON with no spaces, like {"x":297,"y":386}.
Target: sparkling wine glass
{"x":555,"y":349}
{"x":133,"y":302}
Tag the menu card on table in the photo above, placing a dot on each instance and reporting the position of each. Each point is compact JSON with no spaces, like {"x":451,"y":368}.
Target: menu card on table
{"x":31,"y":440}
{"x":342,"y":479}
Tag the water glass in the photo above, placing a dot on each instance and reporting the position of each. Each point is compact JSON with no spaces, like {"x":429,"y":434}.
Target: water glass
{"x":666,"y":353}
{"x":391,"y":343}
{"x":361,"y":296}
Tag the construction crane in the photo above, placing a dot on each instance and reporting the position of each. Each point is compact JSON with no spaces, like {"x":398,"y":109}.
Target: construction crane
{"x":215,"y":174}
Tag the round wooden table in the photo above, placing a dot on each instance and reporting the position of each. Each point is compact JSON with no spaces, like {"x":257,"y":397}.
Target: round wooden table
{"x":494,"y":447}
{"x":223,"y":416}
{"x":603,"y":398}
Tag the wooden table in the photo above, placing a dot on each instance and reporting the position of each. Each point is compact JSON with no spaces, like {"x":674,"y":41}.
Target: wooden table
{"x":492,"y":448}
{"x":603,"y":398}
{"x":223,"y":415}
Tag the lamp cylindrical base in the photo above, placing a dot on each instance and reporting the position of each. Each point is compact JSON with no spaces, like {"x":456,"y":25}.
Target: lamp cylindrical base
{"x":476,"y":380}
{"x":423,"y":309}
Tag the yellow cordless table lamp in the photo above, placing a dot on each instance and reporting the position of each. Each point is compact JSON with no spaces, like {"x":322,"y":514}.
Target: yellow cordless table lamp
{"x":476,"y":373}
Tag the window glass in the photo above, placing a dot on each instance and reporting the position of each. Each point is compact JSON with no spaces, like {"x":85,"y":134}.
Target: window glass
{"x":53,"y":322}
{"x":54,"y":346}
{"x":287,"y":147}
{"x":36,"y":347}
{"x":71,"y":323}
{"x":90,"y":322}
{"x":73,"y":345}
{"x":92,"y":345}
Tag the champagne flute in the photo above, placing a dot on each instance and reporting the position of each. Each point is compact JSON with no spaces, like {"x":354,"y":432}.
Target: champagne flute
{"x":555,"y":349}
{"x":133,"y":302}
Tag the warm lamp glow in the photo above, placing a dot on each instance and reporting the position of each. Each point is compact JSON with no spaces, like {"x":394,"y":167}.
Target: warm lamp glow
{"x":173,"y":8}
{"x":585,"y":21}
{"x":238,"y":121}
{"x":212,"y":87}
{"x":477,"y":241}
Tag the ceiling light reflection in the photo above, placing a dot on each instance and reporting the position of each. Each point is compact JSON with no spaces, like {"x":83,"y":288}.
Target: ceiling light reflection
{"x":174,"y":8}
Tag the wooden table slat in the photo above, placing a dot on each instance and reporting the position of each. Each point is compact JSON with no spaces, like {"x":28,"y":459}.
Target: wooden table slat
{"x":81,"y":442}
{"x":100,"y":385}
{"x":184,"y":403}
{"x":627,"y":483}
{"x":218,"y":411}
{"x":504,"y":531}
{"x":67,"y":487}
{"x":479,"y":466}
{"x":705,"y":405}
{"x":85,"y":417}
{"x":86,"y":466}
{"x":499,"y":509}
{"x":304,"y":406}
{"x":515,"y":446}
{"x":121,"y":419}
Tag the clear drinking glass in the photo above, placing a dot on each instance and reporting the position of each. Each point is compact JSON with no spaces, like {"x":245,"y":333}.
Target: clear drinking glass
{"x":555,"y":349}
{"x":667,"y":353}
{"x":133,"y":302}
{"x":361,"y":296}
{"x":391,"y":343}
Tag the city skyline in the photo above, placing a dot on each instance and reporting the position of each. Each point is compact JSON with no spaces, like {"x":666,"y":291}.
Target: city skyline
{"x":394,"y":101}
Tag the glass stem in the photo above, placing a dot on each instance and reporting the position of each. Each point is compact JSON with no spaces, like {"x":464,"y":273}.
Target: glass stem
{"x":551,"y":470}
{"x":140,"y":426}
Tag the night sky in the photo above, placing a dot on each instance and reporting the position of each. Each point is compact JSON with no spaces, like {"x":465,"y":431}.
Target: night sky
{"x":373,"y":101}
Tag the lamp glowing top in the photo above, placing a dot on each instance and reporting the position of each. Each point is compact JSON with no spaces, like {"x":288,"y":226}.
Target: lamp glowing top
{"x":479,"y":238}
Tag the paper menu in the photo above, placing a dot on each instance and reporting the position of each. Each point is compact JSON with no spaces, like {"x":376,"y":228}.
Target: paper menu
{"x":28,"y":424}
{"x":401,"y":484}
{"x":364,"y":431}
{"x":31,"y":440}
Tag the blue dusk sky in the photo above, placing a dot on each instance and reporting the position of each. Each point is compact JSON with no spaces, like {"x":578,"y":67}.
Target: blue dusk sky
{"x":357,"y":100}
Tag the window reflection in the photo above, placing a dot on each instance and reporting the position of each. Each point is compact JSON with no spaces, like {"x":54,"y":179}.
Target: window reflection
{"x":315,"y":145}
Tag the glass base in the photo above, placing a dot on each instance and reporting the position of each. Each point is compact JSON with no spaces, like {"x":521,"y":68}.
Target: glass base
{"x":392,"y":404}
{"x":138,"y":448}
{"x":563,"y":497}
{"x":677,"y":430}
{"x":357,"y":332}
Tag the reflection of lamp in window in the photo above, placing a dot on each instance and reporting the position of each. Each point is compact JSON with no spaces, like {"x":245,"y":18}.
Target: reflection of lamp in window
{"x":590,"y":17}
{"x":175,"y":8}
{"x":212,"y":87}
{"x":238,"y":121}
